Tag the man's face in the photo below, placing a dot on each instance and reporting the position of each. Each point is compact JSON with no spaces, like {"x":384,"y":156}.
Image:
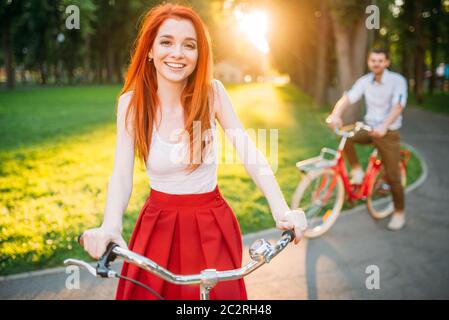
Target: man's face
{"x":377,"y":62}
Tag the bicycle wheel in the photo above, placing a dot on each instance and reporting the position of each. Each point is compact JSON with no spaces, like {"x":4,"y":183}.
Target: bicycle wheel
{"x":380,"y":201}
{"x":321,"y":195}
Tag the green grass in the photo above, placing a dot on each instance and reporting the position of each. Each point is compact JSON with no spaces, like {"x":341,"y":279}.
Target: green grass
{"x":56,"y":157}
{"x":437,"y":102}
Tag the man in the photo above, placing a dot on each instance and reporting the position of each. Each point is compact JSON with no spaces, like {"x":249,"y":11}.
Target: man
{"x":385,"y":95}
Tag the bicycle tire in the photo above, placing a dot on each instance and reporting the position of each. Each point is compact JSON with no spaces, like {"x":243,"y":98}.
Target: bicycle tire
{"x":332,"y":212}
{"x":381,"y":208}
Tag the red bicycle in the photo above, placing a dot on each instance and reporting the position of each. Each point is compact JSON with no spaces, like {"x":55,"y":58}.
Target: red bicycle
{"x":321,"y":192}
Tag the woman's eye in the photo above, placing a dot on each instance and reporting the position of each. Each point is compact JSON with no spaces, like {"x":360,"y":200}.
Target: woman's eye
{"x":190,"y":46}
{"x":165,"y":43}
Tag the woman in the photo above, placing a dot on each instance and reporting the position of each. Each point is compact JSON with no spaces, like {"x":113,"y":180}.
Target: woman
{"x":166,"y":112}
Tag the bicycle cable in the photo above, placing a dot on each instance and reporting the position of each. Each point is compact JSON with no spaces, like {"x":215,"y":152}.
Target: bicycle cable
{"x":142,"y":285}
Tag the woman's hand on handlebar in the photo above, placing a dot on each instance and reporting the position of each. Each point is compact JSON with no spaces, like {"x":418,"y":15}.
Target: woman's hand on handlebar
{"x":96,"y":240}
{"x":293,"y":219}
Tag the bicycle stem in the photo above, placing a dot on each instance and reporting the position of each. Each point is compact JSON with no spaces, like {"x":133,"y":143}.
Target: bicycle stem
{"x":349,"y":134}
{"x":342,"y":143}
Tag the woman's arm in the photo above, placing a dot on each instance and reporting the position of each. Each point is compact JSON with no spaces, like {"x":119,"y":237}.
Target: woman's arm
{"x":121,"y":181}
{"x":119,"y":188}
{"x":254,"y":161}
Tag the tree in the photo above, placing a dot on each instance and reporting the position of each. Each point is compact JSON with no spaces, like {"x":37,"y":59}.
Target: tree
{"x":322,"y":69}
{"x":351,"y":36}
{"x":294,"y":43}
{"x":9,"y":12}
{"x":416,"y":34}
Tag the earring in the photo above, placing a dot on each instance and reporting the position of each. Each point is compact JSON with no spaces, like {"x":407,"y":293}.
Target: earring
{"x":149,"y":59}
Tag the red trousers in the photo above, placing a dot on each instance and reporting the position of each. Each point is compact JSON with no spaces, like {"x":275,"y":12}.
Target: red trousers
{"x":185,"y":234}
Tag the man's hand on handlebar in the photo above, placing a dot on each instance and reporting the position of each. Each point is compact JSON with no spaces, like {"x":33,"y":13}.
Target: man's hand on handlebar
{"x":293,"y":220}
{"x":379,"y":131}
{"x":96,"y":240}
{"x":334,"y":122}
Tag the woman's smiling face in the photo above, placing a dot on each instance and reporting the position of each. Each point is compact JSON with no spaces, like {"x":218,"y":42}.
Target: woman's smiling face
{"x":175,"y":50}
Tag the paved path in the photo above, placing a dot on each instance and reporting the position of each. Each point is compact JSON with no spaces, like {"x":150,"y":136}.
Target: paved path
{"x":413,"y":262}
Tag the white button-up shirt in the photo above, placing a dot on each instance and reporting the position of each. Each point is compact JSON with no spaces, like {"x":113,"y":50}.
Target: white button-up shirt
{"x":380,"y":97}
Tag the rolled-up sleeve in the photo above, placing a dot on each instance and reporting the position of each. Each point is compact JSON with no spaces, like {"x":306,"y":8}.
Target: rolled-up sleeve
{"x":356,"y":92}
{"x":400,"y":92}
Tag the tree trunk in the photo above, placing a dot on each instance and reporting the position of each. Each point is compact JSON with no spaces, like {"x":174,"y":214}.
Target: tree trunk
{"x":343,"y":50}
{"x":405,"y":67}
{"x":322,"y":57}
{"x":70,"y":74}
{"x":351,"y":44}
{"x":433,"y":51}
{"x":8,"y":52}
{"x":43,"y":72}
{"x":109,"y":64}
{"x":419,"y":61}
{"x":57,"y":71}
{"x":87,"y":61}
{"x":118,"y":67}
{"x":359,"y":49}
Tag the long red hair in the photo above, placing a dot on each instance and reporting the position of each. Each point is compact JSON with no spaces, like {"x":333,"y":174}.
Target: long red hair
{"x":141,"y":78}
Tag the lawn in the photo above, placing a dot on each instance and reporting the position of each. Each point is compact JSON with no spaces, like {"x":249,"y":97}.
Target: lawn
{"x":56,"y":157}
{"x":437,"y":102}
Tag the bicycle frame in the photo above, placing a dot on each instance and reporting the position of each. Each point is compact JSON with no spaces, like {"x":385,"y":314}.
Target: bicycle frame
{"x":358,"y":192}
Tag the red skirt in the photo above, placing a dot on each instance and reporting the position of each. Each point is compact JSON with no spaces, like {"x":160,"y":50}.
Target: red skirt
{"x":185,"y":234}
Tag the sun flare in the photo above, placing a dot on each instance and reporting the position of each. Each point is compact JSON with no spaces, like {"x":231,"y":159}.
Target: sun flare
{"x":254,"y":25}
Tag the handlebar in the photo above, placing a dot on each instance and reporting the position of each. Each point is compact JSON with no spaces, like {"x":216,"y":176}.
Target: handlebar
{"x":261,"y":252}
{"x":350,"y":130}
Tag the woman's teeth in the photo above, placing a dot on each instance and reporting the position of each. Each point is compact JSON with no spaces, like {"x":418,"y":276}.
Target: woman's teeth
{"x":175,"y":65}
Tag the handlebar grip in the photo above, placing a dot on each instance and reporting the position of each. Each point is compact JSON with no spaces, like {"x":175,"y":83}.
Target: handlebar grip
{"x":80,"y":239}
{"x":290,"y":233}
{"x":109,"y":247}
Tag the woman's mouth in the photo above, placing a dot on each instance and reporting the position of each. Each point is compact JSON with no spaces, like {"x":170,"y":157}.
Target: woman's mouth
{"x":175,"y":66}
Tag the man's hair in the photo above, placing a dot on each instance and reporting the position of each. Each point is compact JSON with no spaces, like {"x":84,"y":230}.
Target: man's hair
{"x":380,"y":50}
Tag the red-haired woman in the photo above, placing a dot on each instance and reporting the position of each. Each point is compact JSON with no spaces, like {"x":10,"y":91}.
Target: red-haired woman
{"x":166,"y":112}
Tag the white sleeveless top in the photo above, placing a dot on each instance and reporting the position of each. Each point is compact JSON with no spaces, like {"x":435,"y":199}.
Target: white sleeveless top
{"x":166,"y":166}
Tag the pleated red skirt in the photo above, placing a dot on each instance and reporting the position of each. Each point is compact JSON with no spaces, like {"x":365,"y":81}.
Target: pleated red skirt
{"x":185,"y":234}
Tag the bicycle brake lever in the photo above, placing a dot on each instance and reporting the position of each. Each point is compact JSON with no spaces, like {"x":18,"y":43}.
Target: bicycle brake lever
{"x":79,"y":239}
{"x":80,"y":263}
{"x":289,"y":233}
{"x":105,"y":260}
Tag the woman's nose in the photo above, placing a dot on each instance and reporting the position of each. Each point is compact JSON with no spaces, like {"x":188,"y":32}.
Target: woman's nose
{"x":177,"y":52}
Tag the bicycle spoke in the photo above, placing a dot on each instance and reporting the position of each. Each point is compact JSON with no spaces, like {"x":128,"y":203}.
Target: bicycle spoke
{"x":322,"y":194}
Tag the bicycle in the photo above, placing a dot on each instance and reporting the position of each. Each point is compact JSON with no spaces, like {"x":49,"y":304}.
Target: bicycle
{"x":261,"y":252}
{"x":321,"y":193}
